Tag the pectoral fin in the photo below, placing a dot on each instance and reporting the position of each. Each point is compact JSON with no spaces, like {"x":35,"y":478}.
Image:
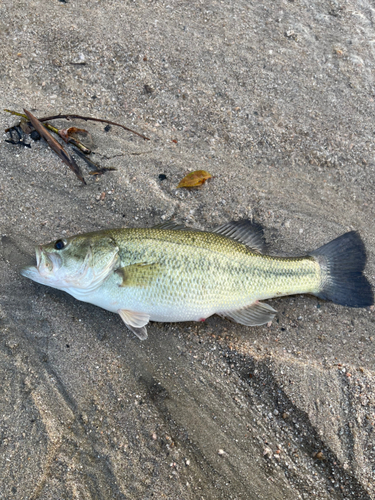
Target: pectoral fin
{"x":254,"y":315}
{"x":136,"y":322}
{"x":139,"y":275}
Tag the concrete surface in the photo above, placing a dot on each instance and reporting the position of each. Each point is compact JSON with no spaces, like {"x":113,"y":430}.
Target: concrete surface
{"x":276,"y":101}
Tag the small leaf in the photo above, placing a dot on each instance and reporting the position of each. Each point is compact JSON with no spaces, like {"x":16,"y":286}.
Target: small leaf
{"x":194,"y":179}
{"x":65,"y":133}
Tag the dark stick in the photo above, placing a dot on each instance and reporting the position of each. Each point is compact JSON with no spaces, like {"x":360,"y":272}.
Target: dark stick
{"x":55,"y":145}
{"x":87,"y":118}
{"x":96,"y":169}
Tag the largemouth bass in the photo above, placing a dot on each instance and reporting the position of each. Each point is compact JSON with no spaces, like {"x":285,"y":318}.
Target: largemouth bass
{"x":172,"y":273}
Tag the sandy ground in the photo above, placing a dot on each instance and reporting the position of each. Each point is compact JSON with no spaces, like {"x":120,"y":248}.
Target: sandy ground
{"x":276,"y":101}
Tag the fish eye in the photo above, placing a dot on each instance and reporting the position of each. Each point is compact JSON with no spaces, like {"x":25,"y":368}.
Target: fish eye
{"x":60,"y":244}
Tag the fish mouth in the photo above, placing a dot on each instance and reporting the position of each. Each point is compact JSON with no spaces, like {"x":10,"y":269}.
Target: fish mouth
{"x":47,"y":266}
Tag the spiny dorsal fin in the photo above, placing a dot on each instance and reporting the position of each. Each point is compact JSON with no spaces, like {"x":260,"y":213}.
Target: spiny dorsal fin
{"x":255,"y":314}
{"x":246,"y":232}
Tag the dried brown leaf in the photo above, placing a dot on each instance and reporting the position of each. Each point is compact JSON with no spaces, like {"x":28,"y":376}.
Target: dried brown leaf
{"x":66,"y":133}
{"x":194,"y":179}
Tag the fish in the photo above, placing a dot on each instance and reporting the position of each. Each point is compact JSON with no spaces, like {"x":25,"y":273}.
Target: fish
{"x":172,"y":273}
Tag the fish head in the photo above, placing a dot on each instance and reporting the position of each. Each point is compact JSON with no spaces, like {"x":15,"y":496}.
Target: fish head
{"x":81,"y":262}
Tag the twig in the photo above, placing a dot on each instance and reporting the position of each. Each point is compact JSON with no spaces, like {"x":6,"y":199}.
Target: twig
{"x":96,"y":169}
{"x":56,"y":146}
{"x":87,"y":118}
{"x":72,"y":140}
{"x":14,"y":113}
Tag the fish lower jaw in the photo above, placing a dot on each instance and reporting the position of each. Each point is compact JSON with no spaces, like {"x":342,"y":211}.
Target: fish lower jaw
{"x":33,"y":274}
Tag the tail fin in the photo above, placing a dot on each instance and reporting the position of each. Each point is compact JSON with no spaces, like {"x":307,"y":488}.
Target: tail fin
{"x":342,"y":262}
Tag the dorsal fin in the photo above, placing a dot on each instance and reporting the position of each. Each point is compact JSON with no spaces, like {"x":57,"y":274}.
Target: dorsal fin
{"x":246,"y":232}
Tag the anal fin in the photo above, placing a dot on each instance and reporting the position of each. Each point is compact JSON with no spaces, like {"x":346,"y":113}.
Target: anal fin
{"x":136,"y":322}
{"x":255,"y":314}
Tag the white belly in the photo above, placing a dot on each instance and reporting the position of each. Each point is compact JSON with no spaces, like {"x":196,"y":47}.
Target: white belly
{"x":112,"y":297}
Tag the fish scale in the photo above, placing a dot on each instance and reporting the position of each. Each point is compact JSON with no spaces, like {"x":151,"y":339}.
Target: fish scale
{"x":232,"y":274}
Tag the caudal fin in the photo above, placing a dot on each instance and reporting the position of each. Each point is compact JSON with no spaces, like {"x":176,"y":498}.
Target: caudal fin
{"x":342,"y":262}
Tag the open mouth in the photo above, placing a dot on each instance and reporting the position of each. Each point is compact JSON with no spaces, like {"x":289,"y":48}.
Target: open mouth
{"x":45,"y":269}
